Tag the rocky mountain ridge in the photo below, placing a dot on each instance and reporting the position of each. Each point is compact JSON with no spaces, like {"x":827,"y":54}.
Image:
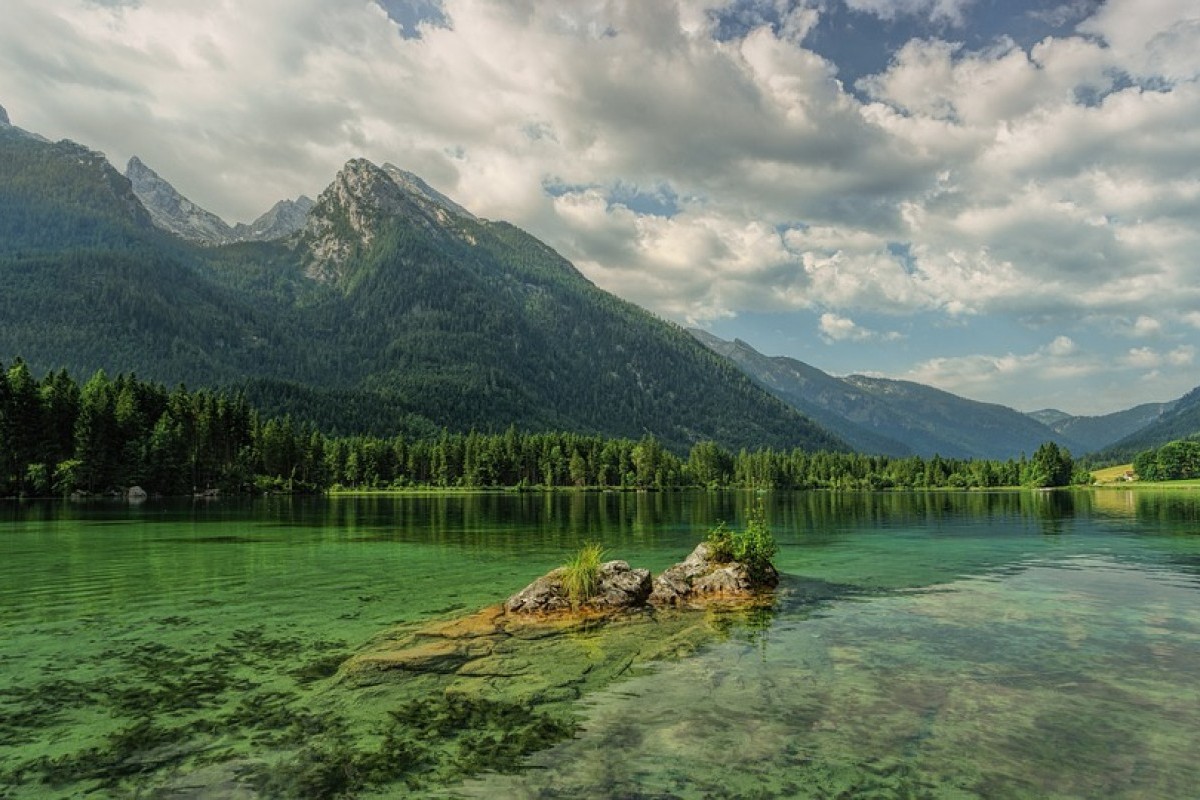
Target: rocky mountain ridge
{"x":172,"y":212}
{"x":354,"y":208}
{"x":279,"y":222}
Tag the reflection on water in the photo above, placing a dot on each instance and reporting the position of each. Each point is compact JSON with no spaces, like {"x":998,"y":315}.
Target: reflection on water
{"x":1019,"y":644}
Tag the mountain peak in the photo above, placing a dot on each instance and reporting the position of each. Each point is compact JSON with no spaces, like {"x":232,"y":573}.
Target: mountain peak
{"x":348,"y":214}
{"x":414,"y":185}
{"x":280,"y":221}
{"x":171,"y":211}
{"x":4,"y":117}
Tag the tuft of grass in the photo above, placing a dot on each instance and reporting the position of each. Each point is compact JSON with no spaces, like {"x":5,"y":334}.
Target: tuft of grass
{"x":581,"y":573}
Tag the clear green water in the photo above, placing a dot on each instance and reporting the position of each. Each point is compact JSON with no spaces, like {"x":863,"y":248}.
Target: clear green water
{"x":922,"y":645}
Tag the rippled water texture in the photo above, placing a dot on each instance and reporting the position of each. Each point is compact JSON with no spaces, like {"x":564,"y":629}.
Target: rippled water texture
{"x":922,"y":645}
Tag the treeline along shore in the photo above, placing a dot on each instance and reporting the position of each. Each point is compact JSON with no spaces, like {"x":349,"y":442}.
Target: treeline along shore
{"x":59,"y":438}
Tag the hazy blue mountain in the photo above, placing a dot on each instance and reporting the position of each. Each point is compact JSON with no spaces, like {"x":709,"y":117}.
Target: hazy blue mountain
{"x":1098,"y":432}
{"x":1050,"y":416}
{"x":817,"y":394}
{"x":893,"y":417}
{"x":392,"y":308}
{"x":1179,"y":420}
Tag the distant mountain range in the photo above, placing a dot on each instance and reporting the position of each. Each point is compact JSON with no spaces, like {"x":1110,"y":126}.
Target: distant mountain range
{"x":892,"y":417}
{"x":1179,"y":420}
{"x":385,"y":306}
{"x":1097,"y":433}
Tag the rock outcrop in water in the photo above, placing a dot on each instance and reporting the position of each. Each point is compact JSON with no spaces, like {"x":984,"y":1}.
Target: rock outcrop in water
{"x":617,"y":586}
{"x":693,"y":581}
{"x":519,"y":650}
{"x":699,"y":578}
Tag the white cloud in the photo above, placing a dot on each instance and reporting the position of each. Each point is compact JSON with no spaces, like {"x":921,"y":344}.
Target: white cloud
{"x":1036,"y":184}
{"x":1143,"y":358}
{"x":1146,"y":326}
{"x":1049,"y":376}
{"x":1000,"y":376}
{"x":835,"y":328}
{"x":950,"y":11}
{"x":1151,"y":38}
{"x":1149,"y":358}
{"x":1182,"y":356}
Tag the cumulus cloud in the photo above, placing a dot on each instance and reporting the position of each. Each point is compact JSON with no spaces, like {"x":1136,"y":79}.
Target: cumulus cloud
{"x":835,"y":328}
{"x":1149,"y":358}
{"x":951,"y":11}
{"x":1146,"y":326}
{"x":1051,"y":373}
{"x":1054,"y":182}
{"x":1057,"y":359}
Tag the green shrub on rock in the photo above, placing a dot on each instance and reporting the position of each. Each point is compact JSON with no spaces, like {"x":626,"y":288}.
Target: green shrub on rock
{"x":755,"y":546}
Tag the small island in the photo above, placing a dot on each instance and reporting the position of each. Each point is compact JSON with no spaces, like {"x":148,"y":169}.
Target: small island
{"x":729,"y":569}
{"x":728,"y":565}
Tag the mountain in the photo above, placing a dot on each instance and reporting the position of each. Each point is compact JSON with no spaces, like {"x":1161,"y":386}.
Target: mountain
{"x":892,"y":417}
{"x":392,"y":309}
{"x":1050,"y":416}
{"x":174,"y":213}
{"x":61,"y":195}
{"x":417,"y":187}
{"x":477,"y":323}
{"x":814,"y":393}
{"x":1180,"y":420}
{"x":1096,"y":433}
{"x":280,"y":221}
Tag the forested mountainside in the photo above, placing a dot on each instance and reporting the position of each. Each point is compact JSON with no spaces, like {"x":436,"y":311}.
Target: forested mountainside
{"x":812,"y":392}
{"x":1098,"y":432}
{"x":893,"y":417}
{"x":1180,"y":421}
{"x":392,"y":303}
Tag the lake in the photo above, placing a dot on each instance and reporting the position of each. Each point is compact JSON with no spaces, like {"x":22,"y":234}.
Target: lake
{"x":941,"y":645}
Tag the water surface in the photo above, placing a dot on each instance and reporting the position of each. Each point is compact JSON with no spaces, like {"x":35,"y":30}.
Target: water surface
{"x":922,"y":645}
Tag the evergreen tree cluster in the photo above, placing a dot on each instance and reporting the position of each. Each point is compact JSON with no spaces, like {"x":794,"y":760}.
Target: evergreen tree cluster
{"x":57,"y":437}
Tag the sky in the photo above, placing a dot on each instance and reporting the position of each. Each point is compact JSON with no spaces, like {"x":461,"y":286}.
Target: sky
{"x":1000,"y":198}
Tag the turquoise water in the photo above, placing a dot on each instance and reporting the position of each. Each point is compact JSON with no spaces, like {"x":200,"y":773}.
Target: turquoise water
{"x":921,"y":645}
